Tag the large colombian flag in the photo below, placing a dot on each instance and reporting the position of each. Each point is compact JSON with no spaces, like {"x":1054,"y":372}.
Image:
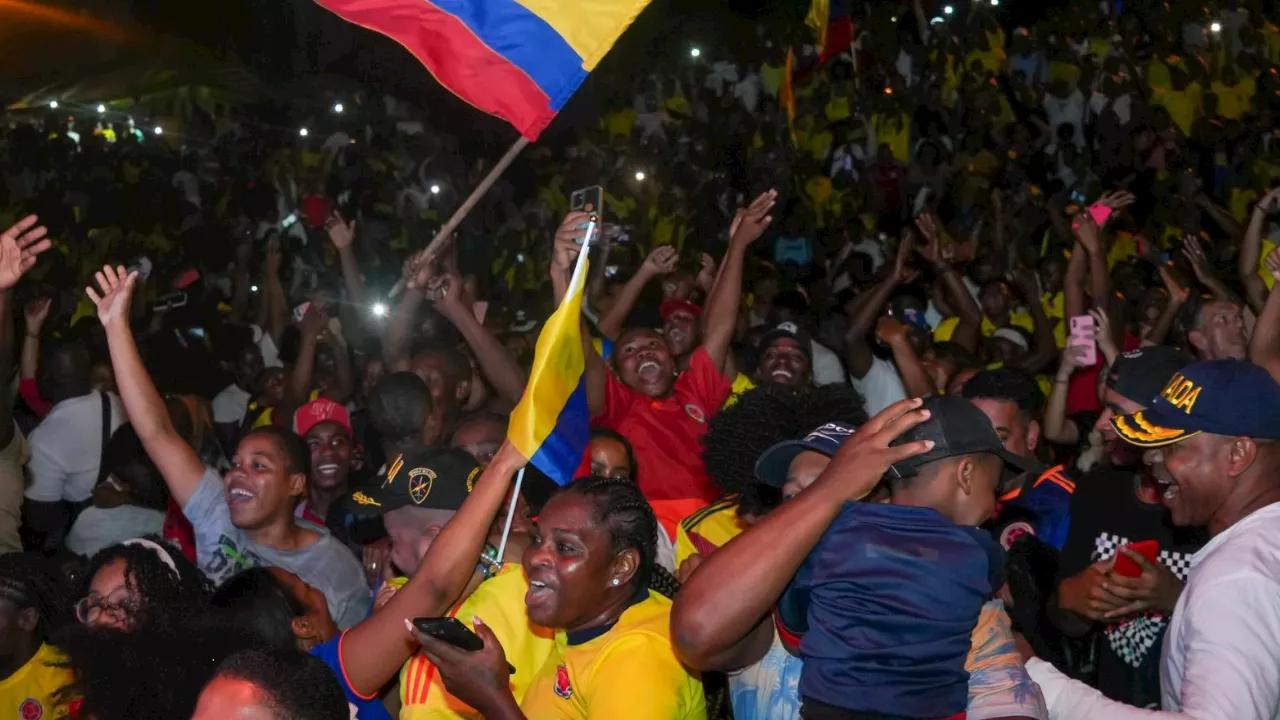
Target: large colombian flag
{"x":550,"y":425}
{"x":518,"y":59}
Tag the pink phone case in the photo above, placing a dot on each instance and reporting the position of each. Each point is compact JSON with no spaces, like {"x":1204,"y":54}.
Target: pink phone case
{"x":1082,"y":334}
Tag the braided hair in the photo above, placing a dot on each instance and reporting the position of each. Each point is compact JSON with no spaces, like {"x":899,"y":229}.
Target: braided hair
{"x":29,"y":580}
{"x":628,"y":516}
{"x":763,"y":417}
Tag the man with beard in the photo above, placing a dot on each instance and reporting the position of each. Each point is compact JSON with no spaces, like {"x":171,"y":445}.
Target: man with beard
{"x":663,"y":411}
{"x":326,"y":426}
{"x":1211,"y":441}
{"x":1113,"y":507}
{"x":786,"y":357}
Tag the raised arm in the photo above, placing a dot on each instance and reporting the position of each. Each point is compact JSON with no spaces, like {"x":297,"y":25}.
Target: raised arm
{"x":1088,"y":237}
{"x":1251,"y":250}
{"x":868,"y":308}
{"x":172,"y":455}
{"x":19,"y":246}
{"x":343,"y":236}
{"x":374,"y":650}
{"x":277,"y":305}
{"x":1058,"y":428}
{"x":661,"y":261}
{"x":915,"y":378}
{"x":735,"y":588}
{"x":496,"y":362}
{"x":395,"y":343}
{"x":1264,"y":347}
{"x":720,"y":319}
{"x":1045,"y":345}
{"x":564,"y":252}
{"x":1177,"y":298}
{"x":36,"y":312}
{"x":1200,"y":266}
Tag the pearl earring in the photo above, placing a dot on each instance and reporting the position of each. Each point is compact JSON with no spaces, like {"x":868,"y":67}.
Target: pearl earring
{"x":615,"y":581}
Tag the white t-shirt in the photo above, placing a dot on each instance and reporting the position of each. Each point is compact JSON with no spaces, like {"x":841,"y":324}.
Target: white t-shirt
{"x":881,"y":386}
{"x":67,"y":447}
{"x":827,"y":368}
{"x":1067,"y":110}
{"x":96,"y":527}
{"x":1221,"y":655}
{"x":230,"y":405}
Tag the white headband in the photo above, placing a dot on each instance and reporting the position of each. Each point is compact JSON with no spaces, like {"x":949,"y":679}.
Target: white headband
{"x":160,"y":552}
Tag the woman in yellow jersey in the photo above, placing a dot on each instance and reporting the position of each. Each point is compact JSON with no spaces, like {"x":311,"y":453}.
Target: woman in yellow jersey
{"x":589,"y":566}
{"x":31,"y":601}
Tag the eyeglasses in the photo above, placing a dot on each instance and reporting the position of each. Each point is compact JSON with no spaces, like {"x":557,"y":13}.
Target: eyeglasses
{"x":118,"y":604}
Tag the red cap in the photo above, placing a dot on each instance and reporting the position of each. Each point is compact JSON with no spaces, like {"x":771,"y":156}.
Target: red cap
{"x":671,"y":305}
{"x":318,"y":411}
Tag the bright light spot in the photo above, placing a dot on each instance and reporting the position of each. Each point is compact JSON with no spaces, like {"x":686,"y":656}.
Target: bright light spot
{"x":1216,"y":27}
{"x":159,"y":130}
{"x":888,"y":91}
{"x":948,"y":10}
{"x":53,"y":105}
{"x":937,"y":20}
{"x":640,"y":175}
{"x":695,"y":52}
{"x":379,"y":309}
{"x":435,"y":189}
{"x":520,"y":257}
{"x":102,"y":109}
{"x":253,"y":288}
{"x":995,"y":3}
{"x":303,"y":132}
{"x":337,"y":107}
{"x":895,"y":18}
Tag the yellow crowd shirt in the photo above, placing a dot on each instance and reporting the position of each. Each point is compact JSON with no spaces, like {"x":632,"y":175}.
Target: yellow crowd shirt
{"x":627,"y":671}
{"x":1183,"y":105}
{"x":947,"y":327}
{"x":1234,"y":100}
{"x":30,"y":692}
{"x":707,"y":530}
{"x":499,"y":603}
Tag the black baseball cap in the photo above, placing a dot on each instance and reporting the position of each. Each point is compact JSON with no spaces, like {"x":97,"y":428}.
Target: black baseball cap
{"x":432,"y":478}
{"x":957,"y":427}
{"x":786,"y":330}
{"x":1139,"y":375}
{"x":772,"y":467}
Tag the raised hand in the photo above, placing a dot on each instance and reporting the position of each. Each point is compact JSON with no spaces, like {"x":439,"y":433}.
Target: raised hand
{"x":569,"y":238}
{"x":1272,"y":261}
{"x":115,"y":287}
{"x":418,"y":270}
{"x":706,"y":272}
{"x":1194,"y":254}
{"x":313,"y":320}
{"x":1117,"y":200}
{"x":889,"y":330}
{"x":750,"y":222}
{"x":903,"y":274}
{"x":1086,"y":231}
{"x":1102,"y":334}
{"x":661,"y":261}
{"x":36,"y":311}
{"x":1072,"y":358}
{"x":1177,"y":294}
{"x":341,"y":234}
{"x":1269,"y":202}
{"x":19,"y":246}
{"x":867,"y":455}
{"x":450,"y":294}
{"x":1028,"y":282}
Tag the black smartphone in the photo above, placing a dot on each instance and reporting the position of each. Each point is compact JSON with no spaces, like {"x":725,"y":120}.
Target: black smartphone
{"x":452,"y":631}
{"x":169,"y":302}
{"x":589,"y":200}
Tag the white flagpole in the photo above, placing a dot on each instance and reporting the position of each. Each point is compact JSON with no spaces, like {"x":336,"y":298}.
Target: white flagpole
{"x":578,"y":268}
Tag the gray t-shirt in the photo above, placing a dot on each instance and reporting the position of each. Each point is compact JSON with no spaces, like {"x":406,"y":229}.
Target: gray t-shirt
{"x":222,"y":550}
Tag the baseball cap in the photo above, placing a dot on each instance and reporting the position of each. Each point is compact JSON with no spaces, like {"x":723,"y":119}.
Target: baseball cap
{"x":786,"y":330}
{"x":772,"y":467}
{"x":957,"y":427}
{"x":432,"y":478}
{"x":1223,"y":397}
{"x":671,"y":305}
{"x":318,"y":411}
{"x":1140,"y":375}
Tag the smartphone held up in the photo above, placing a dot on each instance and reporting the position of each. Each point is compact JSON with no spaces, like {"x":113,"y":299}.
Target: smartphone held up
{"x":589,"y":200}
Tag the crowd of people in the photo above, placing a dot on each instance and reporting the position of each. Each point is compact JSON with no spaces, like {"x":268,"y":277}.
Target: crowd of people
{"x":954,"y":394}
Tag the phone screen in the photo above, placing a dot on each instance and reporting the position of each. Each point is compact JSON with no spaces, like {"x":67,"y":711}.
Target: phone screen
{"x":591,"y":201}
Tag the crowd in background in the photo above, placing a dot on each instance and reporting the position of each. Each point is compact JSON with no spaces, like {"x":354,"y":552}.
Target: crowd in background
{"x":948,"y":391}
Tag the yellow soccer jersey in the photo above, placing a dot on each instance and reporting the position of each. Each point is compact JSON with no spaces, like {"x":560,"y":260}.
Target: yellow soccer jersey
{"x":29,"y":693}
{"x":709,"y":529}
{"x":627,"y":671}
{"x":499,"y":602}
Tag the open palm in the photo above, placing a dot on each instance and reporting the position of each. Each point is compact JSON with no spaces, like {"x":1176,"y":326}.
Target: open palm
{"x":19,"y":246}
{"x":115,"y":287}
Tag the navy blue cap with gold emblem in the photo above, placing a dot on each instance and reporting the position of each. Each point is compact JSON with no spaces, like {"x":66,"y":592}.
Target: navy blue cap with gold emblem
{"x":431,"y":478}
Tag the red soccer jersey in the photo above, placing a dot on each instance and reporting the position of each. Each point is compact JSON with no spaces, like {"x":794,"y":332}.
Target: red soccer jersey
{"x":667,"y":436}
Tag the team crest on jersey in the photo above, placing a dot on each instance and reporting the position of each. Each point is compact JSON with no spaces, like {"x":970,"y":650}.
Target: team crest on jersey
{"x":30,"y":709}
{"x":563,"y":688}
{"x":696,"y":413}
{"x":1013,"y":531}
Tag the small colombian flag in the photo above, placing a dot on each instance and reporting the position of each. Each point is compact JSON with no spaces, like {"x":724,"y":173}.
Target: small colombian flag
{"x":550,"y":426}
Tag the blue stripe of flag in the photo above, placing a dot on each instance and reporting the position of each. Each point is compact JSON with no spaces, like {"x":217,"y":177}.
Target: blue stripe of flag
{"x":560,"y":455}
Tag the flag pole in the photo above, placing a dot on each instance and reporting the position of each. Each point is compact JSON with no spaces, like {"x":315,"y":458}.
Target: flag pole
{"x":511,"y":513}
{"x":579,"y":267}
{"x":467,"y":205}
